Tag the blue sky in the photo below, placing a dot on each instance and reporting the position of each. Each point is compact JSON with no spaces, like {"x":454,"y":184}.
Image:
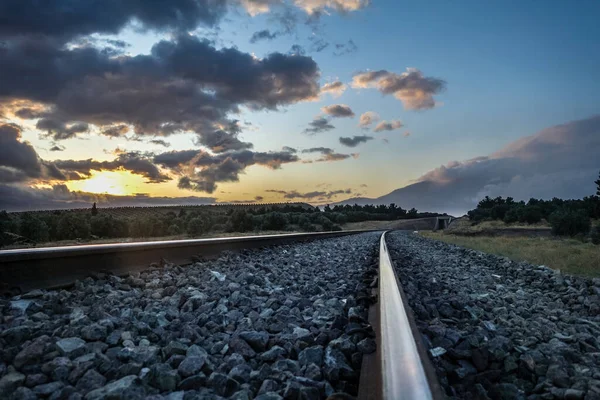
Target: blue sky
{"x":511,"y":69}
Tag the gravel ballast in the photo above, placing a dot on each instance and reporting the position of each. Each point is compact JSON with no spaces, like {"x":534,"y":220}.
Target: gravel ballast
{"x":498,"y":329}
{"x":284,"y":322}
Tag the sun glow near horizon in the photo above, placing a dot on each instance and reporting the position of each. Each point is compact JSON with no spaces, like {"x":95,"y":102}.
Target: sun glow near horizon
{"x":118,"y":183}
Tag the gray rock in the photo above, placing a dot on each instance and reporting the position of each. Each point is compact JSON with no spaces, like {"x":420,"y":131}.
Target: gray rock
{"x":366,"y":346}
{"x":268,"y":385}
{"x":71,"y":347}
{"x":241,"y":373}
{"x":336,"y":366}
{"x":16,"y":335}
{"x":273,"y":354}
{"x":90,"y":380}
{"x":10,"y":382}
{"x":238,"y":345}
{"x":164,"y":377}
{"x":256,"y":340}
{"x":311,"y":355}
{"x":94,"y":332}
{"x":23,"y":393}
{"x":193,"y":382}
{"x":32,"y":353}
{"x":222,"y":384}
{"x":126,"y":388}
{"x":47,"y":389}
{"x":191,"y":366}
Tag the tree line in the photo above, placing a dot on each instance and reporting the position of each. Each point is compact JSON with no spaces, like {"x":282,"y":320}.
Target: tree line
{"x":39,"y":227}
{"x":567,"y":217}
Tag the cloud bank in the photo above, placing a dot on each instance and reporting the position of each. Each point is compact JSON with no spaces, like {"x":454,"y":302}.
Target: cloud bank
{"x":560,"y":161}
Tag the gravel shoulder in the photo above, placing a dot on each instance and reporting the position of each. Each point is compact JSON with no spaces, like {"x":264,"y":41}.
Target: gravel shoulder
{"x":283,"y":322}
{"x":499,"y":329}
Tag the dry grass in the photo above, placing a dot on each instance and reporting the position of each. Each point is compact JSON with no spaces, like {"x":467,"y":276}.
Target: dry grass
{"x":567,"y":255}
{"x":463,"y":225}
{"x":407,"y":224}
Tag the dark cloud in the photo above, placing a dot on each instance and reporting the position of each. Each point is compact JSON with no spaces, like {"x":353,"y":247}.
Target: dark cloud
{"x":58,"y":130}
{"x":185,"y":84}
{"x":355,"y":140}
{"x":259,"y":198}
{"x":367,"y":119}
{"x":115,"y":130}
{"x":133,"y":162}
{"x":19,"y":161}
{"x":561,"y":161}
{"x":294,"y":194}
{"x":318,"y":44}
{"x":289,"y":149}
{"x":388,"y":125}
{"x":15,"y":198}
{"x":265,"y":34}
{"x":297,"y":50}
{"x":413,"y":89}
{"x":338,"y":110}
{"x":329,"y":157}
{"x":322,"y":150}
{"x":318,"y":125}
{"x":223,"y":140}
{"x":160,"y":142}
{"x":57,"y":147}
{"x":201,"y":171}
{"x":328,"y":154}
{"x":345,"y":48}
{"x":335,"y":88}
{"x":67,"y":19}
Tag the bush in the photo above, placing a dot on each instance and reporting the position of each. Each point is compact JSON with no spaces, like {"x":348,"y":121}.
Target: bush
{"x":73,"y":225}
{"x":274,"y":221}
{"x":195,"y":226}
{"x":569,"y":222}
{"x":240,"y":221}
{"x":174,"y":230}
{"x":595,"y":235}
{"x":530,"y":214}
{"x":33,"y":228}
{"x":108,"y":226}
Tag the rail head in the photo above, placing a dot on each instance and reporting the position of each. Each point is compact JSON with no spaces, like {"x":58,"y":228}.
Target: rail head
{"x":403,"y":372}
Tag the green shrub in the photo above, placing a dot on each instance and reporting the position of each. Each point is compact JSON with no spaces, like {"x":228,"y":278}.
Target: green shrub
{"x":274,"y":221}
{"x":570,"y":222}
{"x":595,"y":235}
{"x":195,"y":226}
{"x":530,"y":214}
{"x":108,"y":226}
{"x":512,"y":215}
{"x":33,"y":228}
{"x":174,"y":230}
{"x":72,"y":225}
{"x":240,"y":221}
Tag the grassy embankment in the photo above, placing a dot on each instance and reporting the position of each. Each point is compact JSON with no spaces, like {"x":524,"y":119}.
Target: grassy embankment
{"x":567,"y":255}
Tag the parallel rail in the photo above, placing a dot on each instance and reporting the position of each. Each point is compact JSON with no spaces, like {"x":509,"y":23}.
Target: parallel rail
{"x":22,"y":270}
{"x":406,"y":373}
{"x":399,"y":370}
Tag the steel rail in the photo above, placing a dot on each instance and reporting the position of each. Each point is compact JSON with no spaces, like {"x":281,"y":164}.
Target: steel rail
{"x":55,"y":267}
{"x":405,"y":371}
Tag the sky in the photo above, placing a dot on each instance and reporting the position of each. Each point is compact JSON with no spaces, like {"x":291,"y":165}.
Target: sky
{"x":319,"y":101}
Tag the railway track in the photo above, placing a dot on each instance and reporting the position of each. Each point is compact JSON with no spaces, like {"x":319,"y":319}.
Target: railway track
{"x":286,"y":317}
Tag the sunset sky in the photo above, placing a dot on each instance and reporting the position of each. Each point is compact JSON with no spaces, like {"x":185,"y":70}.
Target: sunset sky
{"x":291,"y":100}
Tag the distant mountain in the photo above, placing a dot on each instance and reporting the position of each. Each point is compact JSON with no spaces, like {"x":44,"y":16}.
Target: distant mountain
{"x":424,"y":196}
{"x":560,"y":161}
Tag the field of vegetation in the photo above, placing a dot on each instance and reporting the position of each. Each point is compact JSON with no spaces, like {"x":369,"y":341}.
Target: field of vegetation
{"x":102,"y":225}
{"x":573,"y":248}
{"x":570,"y":256}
